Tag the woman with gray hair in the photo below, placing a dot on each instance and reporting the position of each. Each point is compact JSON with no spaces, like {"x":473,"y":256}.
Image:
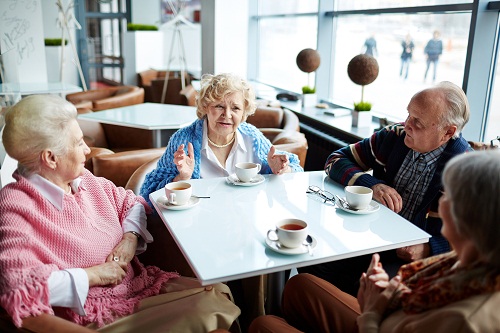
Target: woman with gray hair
{"x":68,"y":239}
{"x":458,"y":291}
{"x":219,"y":139}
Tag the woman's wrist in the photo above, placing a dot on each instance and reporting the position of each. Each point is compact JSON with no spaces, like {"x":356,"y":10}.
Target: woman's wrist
{"x":132,"y":235}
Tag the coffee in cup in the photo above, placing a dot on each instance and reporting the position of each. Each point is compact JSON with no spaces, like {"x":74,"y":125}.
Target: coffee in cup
{"x":246,"y":171}
{"x":290,"y":233}
{"x":178,"y":193}
{"x":358,"y":197}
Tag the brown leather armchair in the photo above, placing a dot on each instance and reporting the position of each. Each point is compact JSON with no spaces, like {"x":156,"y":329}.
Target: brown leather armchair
{"x":119,"y":167}
{"x":281,"y":127}
{"x":107,"y":98}
{"x":153,"y":81}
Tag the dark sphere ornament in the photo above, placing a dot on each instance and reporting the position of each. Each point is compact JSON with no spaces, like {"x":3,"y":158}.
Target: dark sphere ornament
{"x":308,"y":60}
{"x":363,"y":69}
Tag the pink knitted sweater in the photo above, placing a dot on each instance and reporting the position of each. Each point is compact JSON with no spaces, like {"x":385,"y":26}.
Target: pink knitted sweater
{"x":36,"y":239}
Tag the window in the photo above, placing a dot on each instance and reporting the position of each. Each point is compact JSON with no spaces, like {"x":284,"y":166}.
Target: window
{"x":493,"y":115}
{"x":281,"y":39}
{"x":392,"y":90}
{"x":281,"y":31}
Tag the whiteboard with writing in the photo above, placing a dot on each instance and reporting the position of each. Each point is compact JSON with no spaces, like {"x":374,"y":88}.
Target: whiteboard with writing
{"x":21,"y":30}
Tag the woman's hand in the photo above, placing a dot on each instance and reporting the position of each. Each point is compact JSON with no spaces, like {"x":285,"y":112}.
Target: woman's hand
{"x":278,"y":162}
{"x":125,"y":250}
{"x":184,"y":163}
{"x":388,"y":197}
{"x":375,"y":299}
{"x":109,"y":273}
{"x":376,"y":275}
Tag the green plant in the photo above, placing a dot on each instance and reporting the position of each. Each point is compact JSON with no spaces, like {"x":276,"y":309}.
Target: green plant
{"x":141,"y":27}
{"x":54,"y":41}
{"x":308,"y":90}
{"x":362,"y":106}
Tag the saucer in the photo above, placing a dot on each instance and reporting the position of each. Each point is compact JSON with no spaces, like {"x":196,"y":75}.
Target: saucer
{"x":372,"y":208}
{"x":296,"y":250}
{"x":163,"y":202}
{"x":233,"y":179}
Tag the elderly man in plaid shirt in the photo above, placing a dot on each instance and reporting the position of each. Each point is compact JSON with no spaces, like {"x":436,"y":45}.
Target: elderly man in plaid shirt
{"x":407,"y":160}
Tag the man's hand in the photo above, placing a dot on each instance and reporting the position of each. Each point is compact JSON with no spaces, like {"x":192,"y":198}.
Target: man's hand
{"x":388,"y":196}
{"x":414,"y":252}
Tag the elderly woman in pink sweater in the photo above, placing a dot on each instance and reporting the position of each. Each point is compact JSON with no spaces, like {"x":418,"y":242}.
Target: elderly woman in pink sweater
{"x":68,"y":240}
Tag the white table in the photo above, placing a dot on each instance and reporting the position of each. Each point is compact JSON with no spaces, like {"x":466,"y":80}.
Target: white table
{"x":161,"y":119}
{"x":223,"y":237}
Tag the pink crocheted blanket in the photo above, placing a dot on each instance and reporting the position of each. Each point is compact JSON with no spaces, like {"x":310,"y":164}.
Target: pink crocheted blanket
{"x":36,"y":239}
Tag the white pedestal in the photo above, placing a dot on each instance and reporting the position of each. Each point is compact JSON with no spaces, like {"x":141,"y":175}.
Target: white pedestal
{"x":53,"y":56}
{"x":361,"y":119}
{"x":309,"y":100}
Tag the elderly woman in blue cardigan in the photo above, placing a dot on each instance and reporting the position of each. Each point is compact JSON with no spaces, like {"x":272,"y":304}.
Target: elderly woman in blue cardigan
{"x":215,"y":143}
{"x":219,"y":139}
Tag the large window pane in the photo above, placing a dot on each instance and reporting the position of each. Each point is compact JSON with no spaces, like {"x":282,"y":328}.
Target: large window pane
{"x":374,"y":4}
{"x":493,"y":117}
{"x":390,"y":92}
{"x":281,"y":39}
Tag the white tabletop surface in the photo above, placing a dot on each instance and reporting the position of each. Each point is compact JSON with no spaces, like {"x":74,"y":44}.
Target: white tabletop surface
{"x":223,"y":237}
{"x":30,"y":88}
{"x":150,"y":116}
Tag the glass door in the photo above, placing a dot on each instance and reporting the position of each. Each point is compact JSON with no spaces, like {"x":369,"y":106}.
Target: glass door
{"x":100,"y":40}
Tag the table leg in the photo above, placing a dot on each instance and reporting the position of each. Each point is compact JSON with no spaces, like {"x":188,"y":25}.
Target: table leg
{"x":157,"y":139}
{"x":275,"y":284}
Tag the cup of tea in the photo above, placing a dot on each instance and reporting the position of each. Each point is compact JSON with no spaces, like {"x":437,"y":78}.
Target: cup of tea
{"x":290,"y":233}
{"x":178,"y":193}
{"x":358,"y":197}
{"x":246,"y":171}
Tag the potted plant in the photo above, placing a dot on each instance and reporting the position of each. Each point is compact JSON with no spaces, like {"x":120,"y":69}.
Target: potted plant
{"x":362,"y":70}
{"x":308,"y":61}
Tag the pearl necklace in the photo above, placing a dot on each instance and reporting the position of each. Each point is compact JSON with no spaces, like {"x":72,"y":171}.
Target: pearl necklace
{"x":221,"y":146}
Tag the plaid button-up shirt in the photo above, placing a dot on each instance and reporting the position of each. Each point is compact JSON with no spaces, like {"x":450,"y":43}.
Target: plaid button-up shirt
{"x":414,"y":177}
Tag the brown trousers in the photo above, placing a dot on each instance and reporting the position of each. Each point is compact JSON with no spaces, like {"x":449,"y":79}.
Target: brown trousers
{"x":311,"y":304}
{"x":183,"y":306}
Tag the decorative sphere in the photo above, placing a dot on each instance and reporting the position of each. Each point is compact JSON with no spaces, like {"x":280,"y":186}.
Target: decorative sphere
{"x":308,"y":60}
{"x":363,"y":69}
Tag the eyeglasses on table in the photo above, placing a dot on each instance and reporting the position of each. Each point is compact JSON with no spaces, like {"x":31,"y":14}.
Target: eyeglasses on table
{"x":324,"y":195}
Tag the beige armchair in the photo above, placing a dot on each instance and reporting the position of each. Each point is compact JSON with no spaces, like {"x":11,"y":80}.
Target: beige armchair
{"x":107,"y":98}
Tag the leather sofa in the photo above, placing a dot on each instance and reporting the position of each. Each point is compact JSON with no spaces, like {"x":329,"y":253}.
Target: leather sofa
{"x":107,"y":98}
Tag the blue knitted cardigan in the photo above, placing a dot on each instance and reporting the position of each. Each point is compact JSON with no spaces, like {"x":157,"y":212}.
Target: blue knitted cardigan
{"x":384,"y":153}
{"x":166,"y":170}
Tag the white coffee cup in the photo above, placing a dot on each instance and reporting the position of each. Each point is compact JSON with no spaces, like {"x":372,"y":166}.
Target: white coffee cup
{"x":358,"y":197}
{"x":246,"y":171}
{"x":178,"y":193}
{"x":290,"y":233}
